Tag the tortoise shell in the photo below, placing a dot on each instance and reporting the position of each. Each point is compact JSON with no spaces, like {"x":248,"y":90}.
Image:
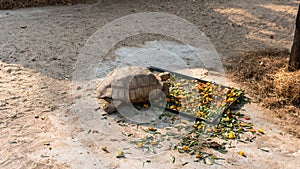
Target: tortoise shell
{"x":131,"y":84}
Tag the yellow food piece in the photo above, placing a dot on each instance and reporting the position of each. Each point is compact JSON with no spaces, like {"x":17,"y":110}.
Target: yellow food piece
{"x":140,"y":144}
{"x":226,"y":118}
{"x":242,"y":124}
{"x":173,"y":107}
{"x":241,"y":153}
{"x":185,"y":148}
{"x":153,"y":142}
{"x":215,"y":130}
{"x":231,"y":135}
{"x":199,"y":127}
{"x":120,"y":153}
{"x":260,"y":131}
{"x":230,"y":100}
{"x":198,"y":156}
{"x":178,"y":108}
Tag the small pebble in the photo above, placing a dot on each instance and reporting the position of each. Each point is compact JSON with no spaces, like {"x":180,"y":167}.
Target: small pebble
{"x":42,"y":117}
{"x":260,"y":131}
{"x":36,"y":116}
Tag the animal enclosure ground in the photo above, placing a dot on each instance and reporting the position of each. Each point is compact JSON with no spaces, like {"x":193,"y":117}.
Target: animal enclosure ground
{"x":39,"y":49}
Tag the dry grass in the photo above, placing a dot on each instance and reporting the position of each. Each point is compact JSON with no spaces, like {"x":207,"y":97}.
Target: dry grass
{"x":264,"y":74}
{"x":287,"y":85}
{"x":14,"y":4}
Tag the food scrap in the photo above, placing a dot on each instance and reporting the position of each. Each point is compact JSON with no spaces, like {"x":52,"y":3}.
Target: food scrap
{"x":241,"y":153}
{"x":211,"y":105}
{"x":120,"y":154}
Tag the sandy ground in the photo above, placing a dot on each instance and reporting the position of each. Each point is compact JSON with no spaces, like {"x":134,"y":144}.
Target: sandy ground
{"x":39,"y":49}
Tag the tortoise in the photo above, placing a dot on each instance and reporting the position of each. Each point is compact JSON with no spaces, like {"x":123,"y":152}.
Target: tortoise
{"x":130,"y":84}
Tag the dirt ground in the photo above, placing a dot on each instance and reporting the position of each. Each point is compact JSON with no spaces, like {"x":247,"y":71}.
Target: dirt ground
{"x":39,"y":49}
{"x":15,"y":4}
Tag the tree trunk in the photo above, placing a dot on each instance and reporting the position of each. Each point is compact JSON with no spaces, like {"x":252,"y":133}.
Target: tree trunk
{"x":294,"y":62}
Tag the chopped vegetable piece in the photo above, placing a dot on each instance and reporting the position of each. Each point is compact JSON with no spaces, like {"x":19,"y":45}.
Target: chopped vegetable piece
{"x":199,"y":156}
{"x":151,"y":129}
{"x":120,"y":154}
{"x":153,"y":142}
{"x":231,"y":135}
{"x":140,"y":144}
{"x":241,"y":153}
{"x":260,"y":131}
{"x":185,"y":148}
{"x":252,"y":130}
{"x":246,"y":117}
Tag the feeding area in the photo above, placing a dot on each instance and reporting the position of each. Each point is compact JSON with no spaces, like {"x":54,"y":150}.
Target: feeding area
{"x":196,"y":117}
{"x":213,"y":110}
